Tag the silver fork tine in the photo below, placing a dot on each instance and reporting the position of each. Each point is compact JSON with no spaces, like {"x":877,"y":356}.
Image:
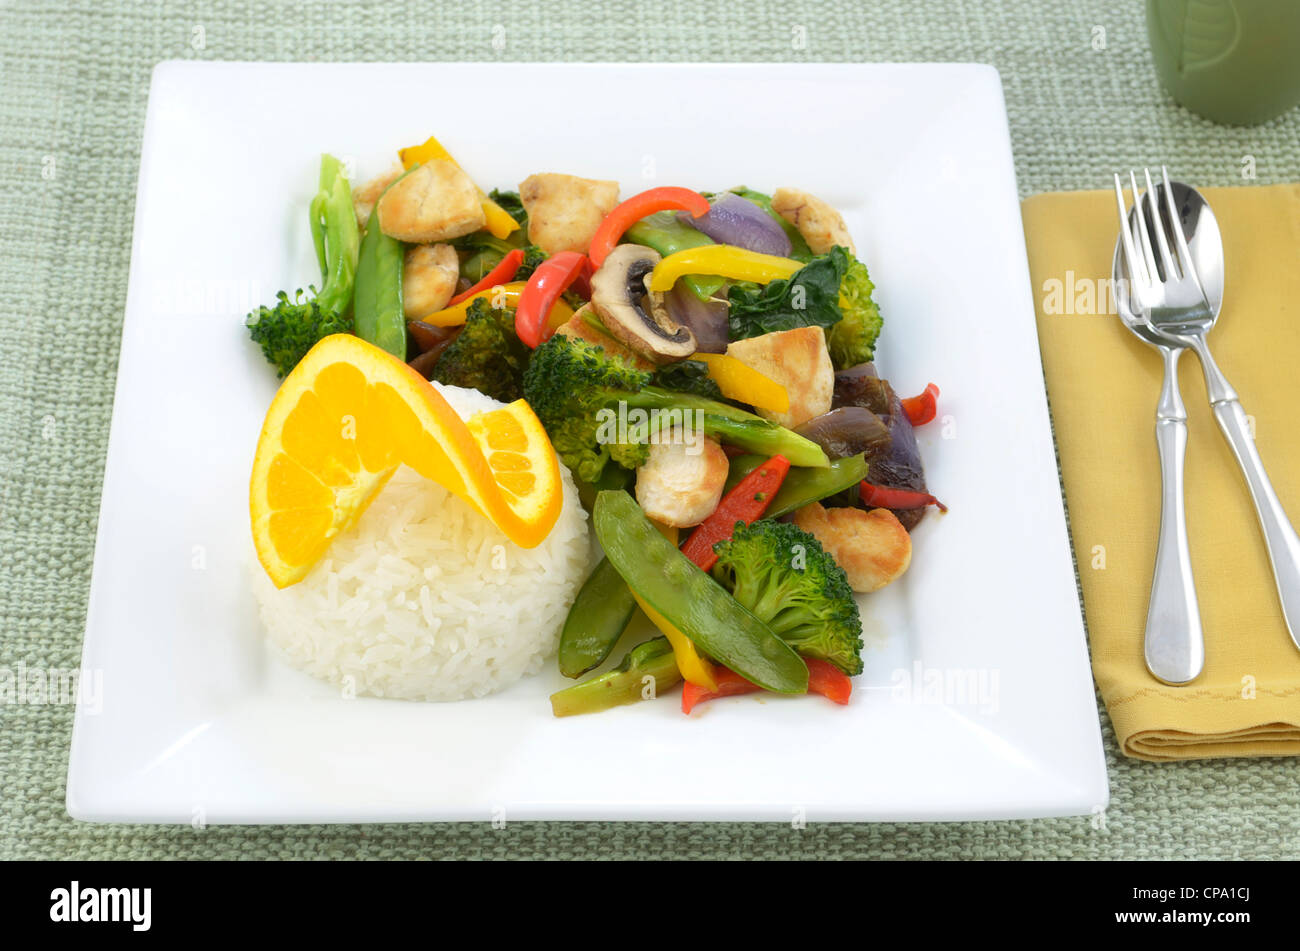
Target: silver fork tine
{"x":1141,"y":226}
{"x":1185,"y":261}
{"x":1159,"y":224}
{"x":1135,"y":269}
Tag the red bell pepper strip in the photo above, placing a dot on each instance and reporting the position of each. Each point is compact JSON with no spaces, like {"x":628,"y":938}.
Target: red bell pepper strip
{"x":921,"y":409}
{"x":582,"y":283}
{"x":503,"y":273}
{"x":551,"y":279}
{"x":637,"y":207}
{"x":828,"y":680}
{"x":824,"y":678}
{"x":882,"y":497}
{"x":730,"y":684}
{"x":744,"y":503}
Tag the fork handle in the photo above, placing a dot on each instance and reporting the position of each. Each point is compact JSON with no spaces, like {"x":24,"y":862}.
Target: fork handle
{"x":1174,"y":644}
{"x":1279,"y":536}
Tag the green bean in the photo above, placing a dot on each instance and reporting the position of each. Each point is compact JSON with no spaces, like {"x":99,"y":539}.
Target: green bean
{"x":692,"y":601}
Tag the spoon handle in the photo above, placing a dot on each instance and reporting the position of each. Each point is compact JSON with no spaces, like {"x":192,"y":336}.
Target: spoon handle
{"x":1279,"y":536}
{"x":1174,"y":644}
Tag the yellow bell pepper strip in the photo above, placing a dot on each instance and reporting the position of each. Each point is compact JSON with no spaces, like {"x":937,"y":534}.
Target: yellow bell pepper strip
{"x":694,"y":668}
{"x":740,"y":382}
{"x":721,"y":260}
{"x":499,"y":222}
{"x":503,"y":295}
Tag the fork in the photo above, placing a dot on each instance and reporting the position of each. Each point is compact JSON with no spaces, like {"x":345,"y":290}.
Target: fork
{"x":1172,"y":301}
{"x":1173,"y":642}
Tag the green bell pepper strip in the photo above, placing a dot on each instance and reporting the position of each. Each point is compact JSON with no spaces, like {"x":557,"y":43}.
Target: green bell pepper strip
{"x":802,"y":486}
{"x":626,"y":683}
{"x":377,"y":308}
{"x":692,"y":601}
{"x":596,"y":621}
{"x":665,"y":234}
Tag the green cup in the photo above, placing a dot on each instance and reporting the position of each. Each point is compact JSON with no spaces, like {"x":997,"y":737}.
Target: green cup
{"x":1232,"y":61}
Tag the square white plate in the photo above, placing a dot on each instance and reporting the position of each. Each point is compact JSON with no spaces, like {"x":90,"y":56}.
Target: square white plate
{"x":197,"y":720}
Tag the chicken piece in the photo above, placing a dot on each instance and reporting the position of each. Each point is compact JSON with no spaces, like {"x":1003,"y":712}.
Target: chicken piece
{"x":429,"y":279}
{"x":872,"y":547}
{"x":799,"y":361}
{"x":821,"y":225}
{"x":579,"y":329}
{"x":564,"y":211}
{"x":436,"y":202}
{"x":681,"y":483}
{"x":364,"y":198}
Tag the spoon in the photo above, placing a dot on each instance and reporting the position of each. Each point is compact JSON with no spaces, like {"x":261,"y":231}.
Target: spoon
{"x":1188,"y":326}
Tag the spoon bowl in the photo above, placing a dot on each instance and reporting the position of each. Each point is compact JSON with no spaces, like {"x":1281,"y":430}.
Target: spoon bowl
{"x":1204,"y":241}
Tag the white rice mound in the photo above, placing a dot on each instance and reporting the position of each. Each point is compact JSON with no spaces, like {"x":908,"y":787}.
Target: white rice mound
{"x":425,"y":599}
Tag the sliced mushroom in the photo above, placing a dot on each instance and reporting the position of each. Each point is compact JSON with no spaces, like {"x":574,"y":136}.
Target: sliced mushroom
{"x":632,"y":312}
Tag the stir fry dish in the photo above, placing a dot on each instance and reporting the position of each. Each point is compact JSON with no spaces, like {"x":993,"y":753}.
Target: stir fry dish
{"x":691,"y":373}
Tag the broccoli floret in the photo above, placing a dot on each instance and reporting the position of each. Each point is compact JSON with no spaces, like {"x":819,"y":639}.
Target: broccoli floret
{"x":783,"y":575}
{"x":688,"y":376}
{"x":576,"y":389}
{"x":568,"y":383}
{"x":486,"y":355}
{"x":533,"y":256}
{"x":288,"y":330}
{"x":853,"y":339}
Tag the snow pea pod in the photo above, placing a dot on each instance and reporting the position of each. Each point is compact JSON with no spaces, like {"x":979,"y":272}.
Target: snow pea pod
{"x":691,"y":600}
{"x":596,"y":620}
{"x":626,"y":683}
{"x":377,"y":301}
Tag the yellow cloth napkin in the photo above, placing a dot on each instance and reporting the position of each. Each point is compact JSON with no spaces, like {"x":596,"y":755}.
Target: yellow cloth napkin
{"x":1103,"y":384}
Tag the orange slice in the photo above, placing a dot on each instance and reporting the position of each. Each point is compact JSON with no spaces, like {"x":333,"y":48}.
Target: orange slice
{"x":343,"y":421}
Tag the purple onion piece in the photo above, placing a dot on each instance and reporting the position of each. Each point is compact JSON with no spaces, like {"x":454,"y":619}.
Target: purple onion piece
{"x":739,"y":222}
{"x":899,"y":466}
{"x":706,"y":319}
{"x":861,"y":386}
{"x":847,"y":431}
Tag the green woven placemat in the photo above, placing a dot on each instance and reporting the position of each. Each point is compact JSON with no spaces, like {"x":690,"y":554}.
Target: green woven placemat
{"x":73,"y":85}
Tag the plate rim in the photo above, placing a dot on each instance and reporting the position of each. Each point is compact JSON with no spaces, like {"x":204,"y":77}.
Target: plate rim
{"x":86,"y":804}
